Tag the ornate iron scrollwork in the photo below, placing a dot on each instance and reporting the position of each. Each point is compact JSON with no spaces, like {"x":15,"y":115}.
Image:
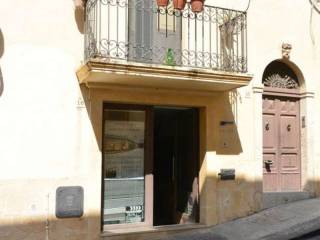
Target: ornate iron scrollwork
{"x":277,"y":81}
{"x":219,"y":33}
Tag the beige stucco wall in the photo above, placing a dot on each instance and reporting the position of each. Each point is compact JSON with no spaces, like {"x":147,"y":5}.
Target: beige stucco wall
{"x":46,"y":136}
{"x":49,"y":137}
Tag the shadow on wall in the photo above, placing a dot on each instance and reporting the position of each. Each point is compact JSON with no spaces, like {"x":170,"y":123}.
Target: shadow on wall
{"x":234,"y":199}
{"x":35,"y":227}
{"x":229,"y":141}
{"x":225,"y":123}
{"x":1,"y":54}
{"x":230,"y":199}
{"x":79,"y":12}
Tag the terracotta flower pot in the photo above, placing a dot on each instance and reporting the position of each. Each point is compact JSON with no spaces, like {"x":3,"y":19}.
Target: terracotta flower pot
{"x":179,"y":4}
{"x":197,"y":5}
{"x":79,"y":3}
{"x":162,"y":3}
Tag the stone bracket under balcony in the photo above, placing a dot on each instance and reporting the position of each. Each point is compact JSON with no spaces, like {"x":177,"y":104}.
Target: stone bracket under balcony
{"x":97,"y":73}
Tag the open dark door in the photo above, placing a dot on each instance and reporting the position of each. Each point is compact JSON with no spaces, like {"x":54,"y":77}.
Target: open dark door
{"x":175,"y":166}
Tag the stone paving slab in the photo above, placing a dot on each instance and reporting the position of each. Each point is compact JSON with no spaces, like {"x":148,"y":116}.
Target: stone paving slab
{"x":279,"y":223}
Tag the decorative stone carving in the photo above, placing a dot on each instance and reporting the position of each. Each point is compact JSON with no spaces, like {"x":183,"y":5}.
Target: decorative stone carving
{"x":276,"y":81}
{"x":286,"y":50}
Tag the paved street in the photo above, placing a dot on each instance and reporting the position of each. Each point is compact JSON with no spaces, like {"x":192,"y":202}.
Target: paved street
{"x":288,"y":221}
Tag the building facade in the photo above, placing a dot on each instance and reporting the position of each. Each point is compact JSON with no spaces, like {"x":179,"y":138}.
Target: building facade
{"x":122,"y":120}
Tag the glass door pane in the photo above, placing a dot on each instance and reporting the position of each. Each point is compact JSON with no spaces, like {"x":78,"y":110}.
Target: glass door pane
{"x":124,"y":174}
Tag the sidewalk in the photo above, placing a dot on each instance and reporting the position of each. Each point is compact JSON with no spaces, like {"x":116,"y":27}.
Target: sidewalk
{"x":282,"y":222}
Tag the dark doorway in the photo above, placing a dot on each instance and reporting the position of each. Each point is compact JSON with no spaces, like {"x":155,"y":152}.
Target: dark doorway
{"x":176,"y":138}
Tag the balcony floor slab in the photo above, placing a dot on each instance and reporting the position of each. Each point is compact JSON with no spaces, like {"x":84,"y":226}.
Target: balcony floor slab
{"x":100,"y":73}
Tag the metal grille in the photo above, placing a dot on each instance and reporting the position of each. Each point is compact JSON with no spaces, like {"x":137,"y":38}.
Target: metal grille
{"x":139,"y":31}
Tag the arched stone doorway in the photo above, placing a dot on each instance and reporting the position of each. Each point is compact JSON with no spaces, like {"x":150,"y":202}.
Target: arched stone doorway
{"x":281,"y":129}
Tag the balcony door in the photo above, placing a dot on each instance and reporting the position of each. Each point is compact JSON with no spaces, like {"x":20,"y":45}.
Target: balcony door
{"x":154,"y":34}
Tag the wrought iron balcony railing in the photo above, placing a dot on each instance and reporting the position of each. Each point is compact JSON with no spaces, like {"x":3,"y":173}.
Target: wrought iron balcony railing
{"x":139,"y":31}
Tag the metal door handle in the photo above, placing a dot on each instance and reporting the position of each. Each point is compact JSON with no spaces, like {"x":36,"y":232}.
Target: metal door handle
{"x":173,"y":170}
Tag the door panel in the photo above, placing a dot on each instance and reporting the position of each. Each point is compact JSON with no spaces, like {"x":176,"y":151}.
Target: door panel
{"x":288,"y":133}
{"x":270,"y":145}
{"x":270,"y":173}
{"x":281,"y":144}
{"x":140,"y":30}
{"x":289,"y":163}
{"x":290,"y":182}
{"x":269,"y":132}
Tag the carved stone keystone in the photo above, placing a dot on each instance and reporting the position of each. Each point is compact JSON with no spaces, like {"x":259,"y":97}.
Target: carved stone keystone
{"x":286,"y":50}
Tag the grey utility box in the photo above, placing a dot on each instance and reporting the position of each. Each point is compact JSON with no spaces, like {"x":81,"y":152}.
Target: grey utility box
{"x":227,"y":174}
{"x":69,"y":202}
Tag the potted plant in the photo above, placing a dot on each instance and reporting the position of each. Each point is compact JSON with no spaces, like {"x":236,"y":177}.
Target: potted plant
{"x":197,"y":5}
{"x":179,"y":4}
{"x":162,"y":3}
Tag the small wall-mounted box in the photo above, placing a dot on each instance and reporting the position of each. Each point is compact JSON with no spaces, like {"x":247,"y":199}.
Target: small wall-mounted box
{"x":69,"y":202}
{"x":227,"y":174}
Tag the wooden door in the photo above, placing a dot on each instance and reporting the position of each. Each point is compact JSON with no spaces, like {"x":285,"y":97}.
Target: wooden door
{"x":281,"y":144}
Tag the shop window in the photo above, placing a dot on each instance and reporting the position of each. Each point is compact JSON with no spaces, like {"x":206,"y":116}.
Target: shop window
{"x":124,"y":182}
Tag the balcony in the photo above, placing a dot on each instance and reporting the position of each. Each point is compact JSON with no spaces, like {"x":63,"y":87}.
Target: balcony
{"x":134,"y":42}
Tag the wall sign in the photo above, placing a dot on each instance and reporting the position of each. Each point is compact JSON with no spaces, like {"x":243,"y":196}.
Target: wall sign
{"x":134,"y":213}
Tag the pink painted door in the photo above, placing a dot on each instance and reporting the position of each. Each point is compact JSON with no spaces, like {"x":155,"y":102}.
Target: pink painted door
{"x":281,"y":144}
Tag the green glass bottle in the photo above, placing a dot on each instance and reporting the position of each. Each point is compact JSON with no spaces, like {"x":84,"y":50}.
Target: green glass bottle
{"x":170,"y":57}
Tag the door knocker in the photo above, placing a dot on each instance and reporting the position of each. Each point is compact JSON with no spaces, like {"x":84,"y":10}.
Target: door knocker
{"x":268,"y":162}
{"x":289,"y":127}
{"x":267,"y":127}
